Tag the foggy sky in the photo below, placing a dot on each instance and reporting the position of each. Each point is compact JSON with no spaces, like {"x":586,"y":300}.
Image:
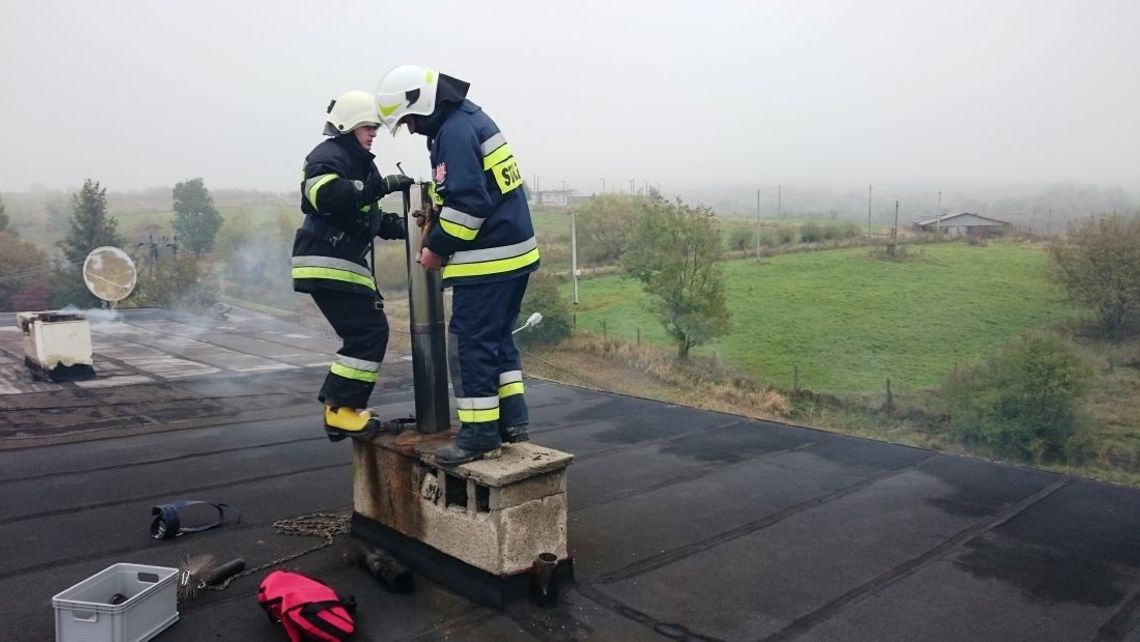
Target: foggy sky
{"x":688,"y":95}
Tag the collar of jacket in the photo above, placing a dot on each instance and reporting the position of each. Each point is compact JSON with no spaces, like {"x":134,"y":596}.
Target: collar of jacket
{"x":349,"y":144}
{"x":429,"y":125}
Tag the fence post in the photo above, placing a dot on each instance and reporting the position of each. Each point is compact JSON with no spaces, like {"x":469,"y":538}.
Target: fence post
{"x":639,"y":335}
{"x":890,"y":405}
{"x":795,"y":378}
{"x":603,"y":331}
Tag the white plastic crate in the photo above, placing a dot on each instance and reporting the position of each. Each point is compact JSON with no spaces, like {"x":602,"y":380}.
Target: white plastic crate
{"x":149,"y":604}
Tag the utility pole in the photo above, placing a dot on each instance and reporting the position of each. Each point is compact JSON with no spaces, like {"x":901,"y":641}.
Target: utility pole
{"x":1049,"y":224}
{"x":757,"y":225}
{"x":574,"y":253}
{"x":779,"y":201}
{"x":565,"y":196}
{"x":939,"y":226}
{"x":895,"y":229}
{"x":631,"y":187}
{"x":868,"y":210}
{"x":603,"y":186}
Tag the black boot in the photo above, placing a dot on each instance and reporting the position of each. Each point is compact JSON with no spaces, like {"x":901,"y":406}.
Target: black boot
{"x":451,"y":455}
{"x":513,"y":434}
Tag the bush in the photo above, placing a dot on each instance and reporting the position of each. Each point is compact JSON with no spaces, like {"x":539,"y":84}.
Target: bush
{"x":843,"y":231}
{"x":543,"y":295}
{"x":741,"y":238}
{"x":773,"y":235}
{"x":812,"y":233}
{"x":1023,"y":403}
{"x":182,"y":281}
{"x":1098,"y":263}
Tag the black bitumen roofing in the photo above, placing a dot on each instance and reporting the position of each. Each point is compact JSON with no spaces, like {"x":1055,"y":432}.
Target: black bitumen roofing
{"x":683,"y":523}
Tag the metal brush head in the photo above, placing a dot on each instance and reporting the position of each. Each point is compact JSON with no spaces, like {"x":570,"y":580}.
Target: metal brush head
{"x":193,"y":570}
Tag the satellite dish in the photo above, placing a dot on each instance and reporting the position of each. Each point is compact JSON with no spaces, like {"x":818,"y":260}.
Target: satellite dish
{"x":109,"y":273}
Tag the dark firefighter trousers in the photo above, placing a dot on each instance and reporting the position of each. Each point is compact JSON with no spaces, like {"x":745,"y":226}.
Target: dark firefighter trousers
{"x":360,"y":322}
{"x":486,"y":372}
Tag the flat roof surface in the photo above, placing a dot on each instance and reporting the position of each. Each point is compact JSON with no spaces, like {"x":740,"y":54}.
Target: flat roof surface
{"x":684,"y":523}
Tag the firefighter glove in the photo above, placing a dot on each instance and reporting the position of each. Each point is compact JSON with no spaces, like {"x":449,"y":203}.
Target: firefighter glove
{"x":391,"y":226}
{"x":397,"y":183}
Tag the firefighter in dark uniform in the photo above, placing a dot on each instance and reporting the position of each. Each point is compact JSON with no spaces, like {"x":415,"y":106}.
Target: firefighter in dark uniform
{"x":484,"y":243}
{"x":339,"y":192}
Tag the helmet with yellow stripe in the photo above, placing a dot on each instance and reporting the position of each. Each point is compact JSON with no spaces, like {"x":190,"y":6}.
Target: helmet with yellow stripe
{"x":407,"y":90}
{"x":350,"y":110}
{"x":411,"y":90}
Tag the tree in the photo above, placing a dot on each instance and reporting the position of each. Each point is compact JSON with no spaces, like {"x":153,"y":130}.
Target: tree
{"x":196,"y":220}
{"x":24,"y":274}
{"x":542,"y":295}
{"x":5,"y":224}
{"x":1098,"y":263}
{"x":605,"y":224}
{"x":675,"y":251}
{"x":181,"y":281}
{"x":91,"y":227}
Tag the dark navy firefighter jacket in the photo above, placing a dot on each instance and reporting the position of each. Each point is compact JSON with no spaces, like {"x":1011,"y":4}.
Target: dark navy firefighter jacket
{"x":484,"y":231}
{"x":330,"y":246}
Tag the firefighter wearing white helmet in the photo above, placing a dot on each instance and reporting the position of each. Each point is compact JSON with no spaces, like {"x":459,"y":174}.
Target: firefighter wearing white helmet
{"x":484,"y":243}
{"x":351,"y":110}
{"x":406,"y":91}
{"x":340,"y":188}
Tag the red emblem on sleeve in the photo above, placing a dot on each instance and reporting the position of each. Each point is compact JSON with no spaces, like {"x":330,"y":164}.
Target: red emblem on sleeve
{"x":440,"y":173}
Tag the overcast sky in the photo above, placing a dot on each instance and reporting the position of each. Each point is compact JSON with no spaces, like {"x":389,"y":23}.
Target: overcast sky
{"x":688,"y":95}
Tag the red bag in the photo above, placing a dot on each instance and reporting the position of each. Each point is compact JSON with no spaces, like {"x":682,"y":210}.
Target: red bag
{"x":308,"y":609}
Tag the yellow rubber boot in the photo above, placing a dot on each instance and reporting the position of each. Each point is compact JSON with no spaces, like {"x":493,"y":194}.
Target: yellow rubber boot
{"x":349,"y":422}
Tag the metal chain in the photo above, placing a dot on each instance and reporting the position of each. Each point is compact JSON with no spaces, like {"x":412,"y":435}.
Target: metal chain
{"x":327,"y":525}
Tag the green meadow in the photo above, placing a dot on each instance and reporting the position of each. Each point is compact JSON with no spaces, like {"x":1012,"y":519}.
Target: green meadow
{"x":848,"y":321}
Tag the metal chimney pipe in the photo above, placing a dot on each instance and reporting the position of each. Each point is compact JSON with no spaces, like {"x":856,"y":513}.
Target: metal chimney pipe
{"x":425,"y":311}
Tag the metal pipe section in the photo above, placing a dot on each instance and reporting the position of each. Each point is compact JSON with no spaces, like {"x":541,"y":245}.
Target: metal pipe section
{"x":544,"y":585}
{"x":425,"y":311}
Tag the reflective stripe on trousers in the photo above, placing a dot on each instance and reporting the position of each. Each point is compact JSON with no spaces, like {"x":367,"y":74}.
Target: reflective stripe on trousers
{"x":481,"y":353}
{"x":363,"y":327}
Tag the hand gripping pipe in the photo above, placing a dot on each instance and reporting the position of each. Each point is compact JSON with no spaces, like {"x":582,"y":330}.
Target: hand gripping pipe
{"x":425,"y":311}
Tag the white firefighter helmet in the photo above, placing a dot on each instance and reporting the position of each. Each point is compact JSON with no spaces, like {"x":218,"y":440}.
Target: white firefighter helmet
{"x":404,"y":91}
{"x":351,"y":110}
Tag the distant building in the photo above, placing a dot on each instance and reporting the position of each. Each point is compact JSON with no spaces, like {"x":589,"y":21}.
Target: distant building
{"x":556,"y":197}
{"x":965,"y":224}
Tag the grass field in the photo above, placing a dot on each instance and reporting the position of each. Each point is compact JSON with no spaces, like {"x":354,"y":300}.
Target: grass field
{"x":849,"y":321}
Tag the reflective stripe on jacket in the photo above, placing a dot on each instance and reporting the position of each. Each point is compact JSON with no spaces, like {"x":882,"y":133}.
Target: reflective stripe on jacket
{"x":485,"y":230}
{"x":330,"y":247}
